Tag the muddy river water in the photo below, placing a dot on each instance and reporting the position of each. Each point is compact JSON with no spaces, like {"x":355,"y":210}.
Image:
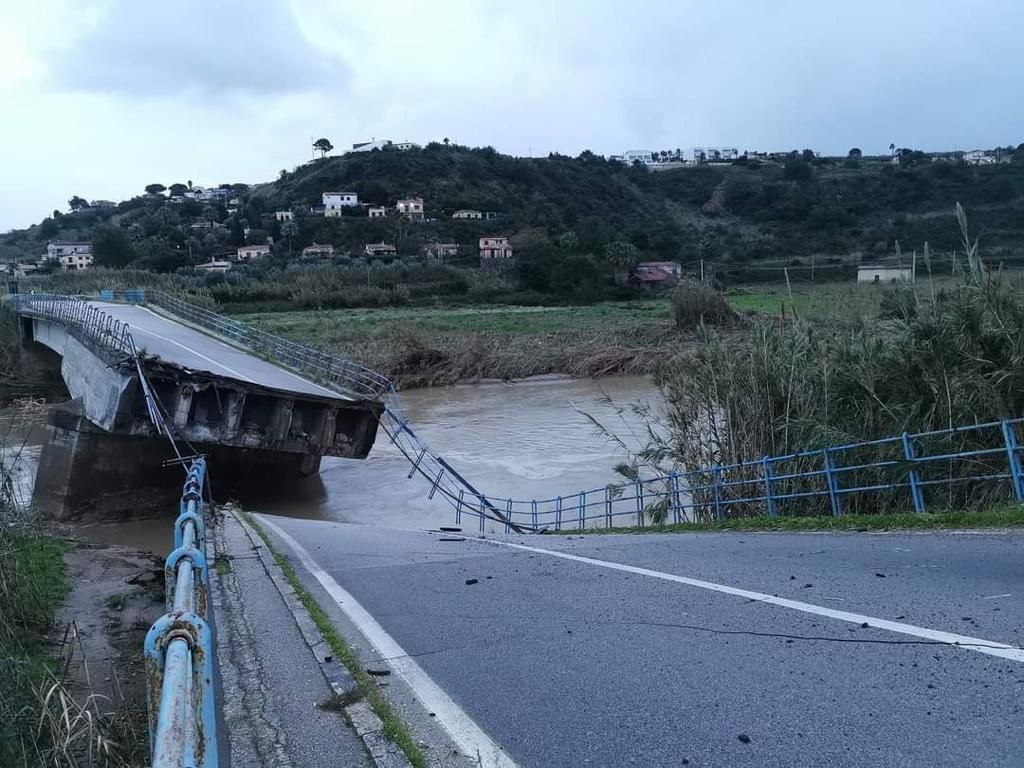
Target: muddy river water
{"x":527,"y":439}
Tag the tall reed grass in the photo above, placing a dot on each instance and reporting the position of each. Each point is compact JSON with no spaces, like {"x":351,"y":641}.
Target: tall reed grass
{"x":938,"y":359}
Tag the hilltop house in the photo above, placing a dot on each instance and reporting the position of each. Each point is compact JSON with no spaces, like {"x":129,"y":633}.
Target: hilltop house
{"x":440,"y":251}
{"x":492,"y":248}
{"x":249,"y":252}
{"x":284,"y":215}
{"x":380,"y":249}
{"x":318,"y":251}
{"x":656,"y":273}
{"x":878,"y":274}
{"x":71,"y":262}
{"x":377,"y":211}
{"x":102,"y":204}
{"x":55,"y":249}
{"x":411,"y":208}
{"x":335,"y":201}
{"x":465,"y":213}
{"x":213,"y":266}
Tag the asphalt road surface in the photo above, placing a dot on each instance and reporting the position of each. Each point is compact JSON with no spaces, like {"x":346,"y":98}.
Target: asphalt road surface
{"x":192,"y":349}
{"x":692,"y":649}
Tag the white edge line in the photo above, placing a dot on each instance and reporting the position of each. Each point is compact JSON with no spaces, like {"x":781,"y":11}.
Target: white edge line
{"x":990,"y":647}
{"x":469,"y":737}
{"x":237,"y":350}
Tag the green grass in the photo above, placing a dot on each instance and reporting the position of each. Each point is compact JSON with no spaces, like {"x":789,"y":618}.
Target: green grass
{"x":394,"y":729}
{"x":814,"y":301}
{"x":1005,"y":516}
{"x":507,"y":319}
{"x":222,"y":565}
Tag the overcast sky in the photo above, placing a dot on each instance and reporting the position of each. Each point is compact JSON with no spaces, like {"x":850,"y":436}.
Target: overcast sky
{"x":100,"y":101}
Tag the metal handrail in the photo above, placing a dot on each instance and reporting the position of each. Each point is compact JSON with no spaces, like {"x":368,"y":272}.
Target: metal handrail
{"x":836,"y":475}
{"x":179,"y":646}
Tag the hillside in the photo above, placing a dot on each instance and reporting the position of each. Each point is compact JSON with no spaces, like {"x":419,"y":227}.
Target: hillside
{"x":741,"y":217}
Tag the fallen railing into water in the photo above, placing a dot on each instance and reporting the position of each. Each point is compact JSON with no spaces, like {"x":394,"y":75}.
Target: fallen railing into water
{"x":179,"y":646}
{"x":950,"y":468}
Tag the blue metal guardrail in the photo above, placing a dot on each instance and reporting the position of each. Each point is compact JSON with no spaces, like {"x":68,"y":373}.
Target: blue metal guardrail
{"x":951,"y":467}
{"x":179,"y":646}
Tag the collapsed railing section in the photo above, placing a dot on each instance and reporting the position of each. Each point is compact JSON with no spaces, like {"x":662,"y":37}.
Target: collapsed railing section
{"x":953,"y":468}
{"x":179,"y":645}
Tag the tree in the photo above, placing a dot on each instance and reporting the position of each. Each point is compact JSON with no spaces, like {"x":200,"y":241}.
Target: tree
{"x":323,"y":146}
{"x":289,"y":231}
{"x":111,"y":247}
{"x":797,"y":170}
{"x":155,"y":189}
{"x":855,"y":154}
{"x":77,"y":203}
{"x":48,"y":228}
{"x":892,"y":149}
{"x":1018,"y":155}
{"x":808,"y":155}
{"x":445,"y":141}
{"x":177,"y":190}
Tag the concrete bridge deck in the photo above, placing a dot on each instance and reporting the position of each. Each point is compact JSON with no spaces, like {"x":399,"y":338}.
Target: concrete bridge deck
{"x":195,"y":350}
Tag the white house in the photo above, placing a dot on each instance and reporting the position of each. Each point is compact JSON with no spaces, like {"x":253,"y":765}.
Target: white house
{"x":466,"y":213}
{"x":74,"y":261}
{"x":878,"y":274}
{"x":411,"y":208}
{"x":335,"y":201}
{"x":284,"y":215}
{"x":979,"y":157}
{"x":318,"y":251}
{"x":249,"y":252}
{"x":56,"y":249}
{"x":643,"y":156}
{"x":495,"y":248}
{"x":213,"y":266}
{"x":380,"y":249}
{"x":377,"y":211}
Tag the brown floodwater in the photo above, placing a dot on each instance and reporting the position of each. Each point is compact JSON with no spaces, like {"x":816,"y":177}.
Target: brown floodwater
{"x":528,"y":439}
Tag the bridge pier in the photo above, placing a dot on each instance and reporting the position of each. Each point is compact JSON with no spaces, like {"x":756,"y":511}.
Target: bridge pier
{"x":85,"y":471}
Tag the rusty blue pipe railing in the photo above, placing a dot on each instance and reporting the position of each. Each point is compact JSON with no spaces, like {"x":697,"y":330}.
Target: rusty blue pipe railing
{"x":179,"y":646}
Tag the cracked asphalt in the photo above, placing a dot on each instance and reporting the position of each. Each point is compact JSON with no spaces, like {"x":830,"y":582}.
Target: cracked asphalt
{"x":565,"y":663}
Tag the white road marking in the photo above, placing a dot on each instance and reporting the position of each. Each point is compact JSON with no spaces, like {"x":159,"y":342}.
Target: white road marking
{"x":993,"y":597}
{"x":469,"y":737}
{"x":226,"y":346}
{"x":213,"y":362}
{"x":989,"y":647}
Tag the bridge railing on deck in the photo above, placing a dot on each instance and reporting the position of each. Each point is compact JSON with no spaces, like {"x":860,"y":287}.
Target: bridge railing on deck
{"x":107,"y":337}
{"x":179,"y":646}
{"x":951,"y":468}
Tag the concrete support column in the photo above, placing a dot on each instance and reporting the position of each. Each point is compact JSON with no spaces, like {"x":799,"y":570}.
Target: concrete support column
{"x":281,"y":420}
{"x":233,"y":412}
{"x":182,"y":405}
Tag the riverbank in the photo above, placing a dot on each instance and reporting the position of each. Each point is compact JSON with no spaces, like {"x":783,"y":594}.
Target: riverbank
{"x":419,"y":347}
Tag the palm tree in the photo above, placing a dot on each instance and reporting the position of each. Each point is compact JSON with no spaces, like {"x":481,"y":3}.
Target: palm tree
{"x":892,"y":149}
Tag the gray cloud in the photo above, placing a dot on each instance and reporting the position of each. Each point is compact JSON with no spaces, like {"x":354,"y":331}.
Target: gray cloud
{"x":210,"y":48}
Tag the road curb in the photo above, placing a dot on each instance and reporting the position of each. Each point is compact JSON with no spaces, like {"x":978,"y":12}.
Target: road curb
{"x":370,"y":729}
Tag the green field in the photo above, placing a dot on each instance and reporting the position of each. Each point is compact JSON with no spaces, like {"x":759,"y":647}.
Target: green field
{"x":519,"y":321}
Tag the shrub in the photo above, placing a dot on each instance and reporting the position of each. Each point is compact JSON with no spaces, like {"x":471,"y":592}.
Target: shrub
{"x":694,"y":304}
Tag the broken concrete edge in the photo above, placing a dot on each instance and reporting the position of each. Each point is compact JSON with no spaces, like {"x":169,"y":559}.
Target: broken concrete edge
{"x":369,"y":727}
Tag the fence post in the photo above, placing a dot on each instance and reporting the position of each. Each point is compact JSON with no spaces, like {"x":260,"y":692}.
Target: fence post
{"x":558,"y":513}
{"x":833,"y":484}
{"x":508,"y":516}
{"x":767,"y":465}
{"x":639,"y":503}
{"x":718,"y":493}
{"x":583,"y":509}
{"x":533,"y":513}
{"x":482,"y":504}
{"x":1010,"y":436}
{"x":608,"y":506}
{"x":674,"y":484}
{"x":915,"y":481}
{"x":458,"y":507}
